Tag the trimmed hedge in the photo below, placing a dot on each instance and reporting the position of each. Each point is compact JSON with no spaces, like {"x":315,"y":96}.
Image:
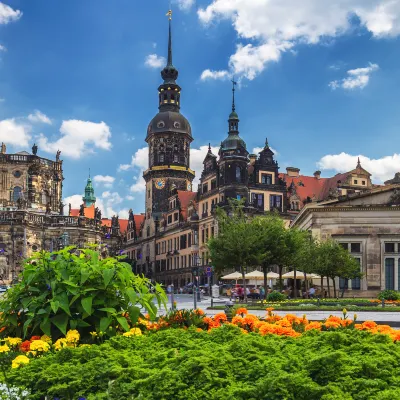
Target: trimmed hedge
{"x":223,"y":364}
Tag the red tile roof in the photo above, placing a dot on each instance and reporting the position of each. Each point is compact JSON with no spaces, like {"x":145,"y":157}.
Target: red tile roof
{"x":309,"y":186}
{"x":185,"y":198}
{"x":123,"y":224}
{"x":89,"y":212}
{"x":139,"y":219}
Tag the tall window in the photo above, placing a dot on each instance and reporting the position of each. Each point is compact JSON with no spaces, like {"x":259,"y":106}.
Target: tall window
{"x":258,"y":200}
{"x":356,"y":282}
{"x":176,"y":159}
{"x":389,"y":273}
{"x":275,"y":202}
{"x":238,"y":174}
{"x":161,"y":158}
{"x":16,"y":193}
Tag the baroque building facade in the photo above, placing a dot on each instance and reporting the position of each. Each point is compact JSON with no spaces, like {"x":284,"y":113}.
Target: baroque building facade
{"x":32,"y":213}
{"x":168,"y":241}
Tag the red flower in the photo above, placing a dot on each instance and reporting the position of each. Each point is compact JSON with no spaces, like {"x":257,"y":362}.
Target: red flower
{"x":25,"y":346}
{"x":35,"y":338}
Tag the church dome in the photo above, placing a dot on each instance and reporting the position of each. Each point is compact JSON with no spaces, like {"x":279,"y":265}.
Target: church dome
{"x":169,"y":121}
{"x":233,"y":142}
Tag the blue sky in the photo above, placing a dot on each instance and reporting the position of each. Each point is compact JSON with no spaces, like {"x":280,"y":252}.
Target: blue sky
{"x":319,"y":78}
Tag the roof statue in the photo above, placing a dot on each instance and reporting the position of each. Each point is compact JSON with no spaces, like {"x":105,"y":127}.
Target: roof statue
{"x":3,"y":148}
{"x":34,"y":149}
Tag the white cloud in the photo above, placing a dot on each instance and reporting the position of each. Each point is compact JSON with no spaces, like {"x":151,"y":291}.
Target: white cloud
{"x":154,"y":61}
{"x":185,"y":4}
{"x":356,"y":79}
{"x":106,"y":203}
{"x":129,"y":198}
{"x":3,"y":48}
{"x":14,"y":133}
{"x":276,"y":26}
{"x":105,"y":180}
{"x":39,"y":117}
{"x":78,"y":138}
{"x":381,"y":169}
{"x":7,"y":14}
{"x":208,"y":74}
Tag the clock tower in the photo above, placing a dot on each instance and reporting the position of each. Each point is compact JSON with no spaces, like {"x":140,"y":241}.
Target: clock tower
{"x":168,"y":137}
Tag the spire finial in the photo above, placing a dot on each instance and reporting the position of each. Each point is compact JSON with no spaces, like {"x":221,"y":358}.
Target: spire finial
{"x":358,"y":163}
{"x":169,"y":15}
{"x":89,"y":173}
{"x":209,"y":147}
{"x":234,"y":83}
{"x":266,"y":143}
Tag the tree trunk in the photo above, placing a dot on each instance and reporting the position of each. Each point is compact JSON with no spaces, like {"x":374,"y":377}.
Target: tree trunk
{"x":334,"y":287}
{"x":265,"y":280}
{"x":280,"y":278}
{"x":295,"y":283}
{"x":306,"y":285}
{"x":322,"y":286}
{"x":244,"y":285}
{"x":329,"y":287}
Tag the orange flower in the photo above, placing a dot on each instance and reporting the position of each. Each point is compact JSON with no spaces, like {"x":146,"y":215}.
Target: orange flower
{"x":332,"y":318}
{"x":313,"y":325}
{"x":35,"y":338}
{"x":241,"y":311}
{"x":25,"y":346}
{"x":346,"y":322}
{"x":332,"y":324}
{"x":237,"y":320}
{"x":368,"y":325}
{"x":220,"y":317}
{"x":199,"y":312}
{"x":284,"y":322}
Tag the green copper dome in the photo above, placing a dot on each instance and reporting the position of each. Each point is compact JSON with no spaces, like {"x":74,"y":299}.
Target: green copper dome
{"x":233,"y":115}
{"x":89,"y":197}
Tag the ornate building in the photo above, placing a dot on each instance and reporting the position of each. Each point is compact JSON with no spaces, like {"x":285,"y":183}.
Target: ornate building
{"x":169,"y":239}
{"x":31,"y":212}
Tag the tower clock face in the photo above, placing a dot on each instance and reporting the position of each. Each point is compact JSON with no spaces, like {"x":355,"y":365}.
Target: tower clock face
{"x":160,"y":183}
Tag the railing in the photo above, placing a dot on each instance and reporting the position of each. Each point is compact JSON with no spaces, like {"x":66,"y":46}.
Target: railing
{"x":25,"y":158}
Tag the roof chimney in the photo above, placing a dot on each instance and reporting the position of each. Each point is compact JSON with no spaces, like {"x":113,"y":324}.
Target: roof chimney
{"x":293,"y":172}
{"x":317,"y":174}
{"x":253,"y":158}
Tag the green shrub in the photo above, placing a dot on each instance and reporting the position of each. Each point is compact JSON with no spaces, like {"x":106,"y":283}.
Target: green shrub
{"x":72,"y":289}
{"x":389,"y":295}
{"x":276,"y":297}
{"x":223,"y":364}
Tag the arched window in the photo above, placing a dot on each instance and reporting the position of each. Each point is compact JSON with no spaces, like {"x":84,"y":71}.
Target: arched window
{"x":44,"y":197}
{"x":172,"y":98}
{"x":176,"y":159}
{"x":238,"y":174}
{"x":17,"y":192}
{"x":161,"y":158}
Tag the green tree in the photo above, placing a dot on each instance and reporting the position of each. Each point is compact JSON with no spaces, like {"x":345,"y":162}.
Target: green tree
{"x":332,"y":261}
{"x":237,"y":245}
{"x":76,"y":289}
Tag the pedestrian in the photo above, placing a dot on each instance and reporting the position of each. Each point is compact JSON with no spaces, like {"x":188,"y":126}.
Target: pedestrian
{"x":262,"y":292}
{"x":311,"y":292}
{"x":169,"y":289}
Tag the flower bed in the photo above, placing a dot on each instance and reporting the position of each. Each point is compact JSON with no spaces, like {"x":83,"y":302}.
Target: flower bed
{"x":223,"y":363}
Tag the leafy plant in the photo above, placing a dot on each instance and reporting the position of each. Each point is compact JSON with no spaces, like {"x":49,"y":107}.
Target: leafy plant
{"x":76,"y":289}
{"x":276,"y":297}
{"x":389,"y":295}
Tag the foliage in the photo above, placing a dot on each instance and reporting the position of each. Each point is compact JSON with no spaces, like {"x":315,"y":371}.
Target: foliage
{"x":223,"y":364}
{"x":276,"y":297}
{"x":389,"y":295}
{"x":76,"y":289}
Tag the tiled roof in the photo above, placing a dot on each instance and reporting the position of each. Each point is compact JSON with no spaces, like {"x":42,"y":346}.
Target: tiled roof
{"x":139,"y":219}
{"x":185,"y":198}
{"x":89,"y":212}
{"x":306,"y":186}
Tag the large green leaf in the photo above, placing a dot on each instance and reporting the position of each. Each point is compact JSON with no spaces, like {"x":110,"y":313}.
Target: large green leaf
{"x":61,"y":322}
{"x":26,"y":325}
{"x":107,"y":276}
{"x":123,"y":322}
{"x":108,"y":309}
{"x":87,"y":304}
{"x":55,"y":305}
{"x":83,"y":324}
{"x":133,"y":297}
{"x":105,"y":323}
{"x":64,"y":303}
{"x":84,"y":275}
{"x":45,"y":326}
{"x":134,"y":313}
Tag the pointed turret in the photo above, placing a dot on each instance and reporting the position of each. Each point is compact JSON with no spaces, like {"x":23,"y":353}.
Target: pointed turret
{"x":89,"y":198}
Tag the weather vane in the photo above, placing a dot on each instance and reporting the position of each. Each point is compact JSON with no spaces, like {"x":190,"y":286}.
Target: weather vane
{"x":169,"y":13}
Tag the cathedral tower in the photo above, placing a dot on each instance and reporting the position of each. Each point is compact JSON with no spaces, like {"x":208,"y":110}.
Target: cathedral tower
{"x":168,"y":136}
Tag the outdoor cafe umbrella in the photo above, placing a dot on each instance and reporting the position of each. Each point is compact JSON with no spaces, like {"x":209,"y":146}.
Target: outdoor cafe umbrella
{"x":232,"y":277}
{"x":259,"y":276}
{"x":299,"y":275}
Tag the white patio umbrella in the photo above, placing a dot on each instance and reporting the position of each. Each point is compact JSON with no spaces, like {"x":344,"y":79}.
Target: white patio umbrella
{"x":232,"y":277}
{"x":255,"y":275}
{"x":299,"y":275}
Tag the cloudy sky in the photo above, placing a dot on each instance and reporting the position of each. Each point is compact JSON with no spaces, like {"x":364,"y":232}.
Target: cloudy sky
{"x":319,"y":78}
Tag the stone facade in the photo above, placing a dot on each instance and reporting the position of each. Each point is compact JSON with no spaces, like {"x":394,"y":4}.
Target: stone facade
{"x":368,"y":225}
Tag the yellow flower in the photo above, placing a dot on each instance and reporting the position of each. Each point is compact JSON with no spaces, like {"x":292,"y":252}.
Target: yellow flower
{"x":84,"y":345}
{"x":46,"y":339}
{"x":72,"y":336}
{"x":40,"y":345}
{"x":13,"y":341}
{"x":355,"y":317}
{"x":344,"y":312}
{"x":19,"y":360}
{"x":94,"y":334}
{"x":60,"y":343}
{"x":133,"y":332}
{"x":4,"y":348}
